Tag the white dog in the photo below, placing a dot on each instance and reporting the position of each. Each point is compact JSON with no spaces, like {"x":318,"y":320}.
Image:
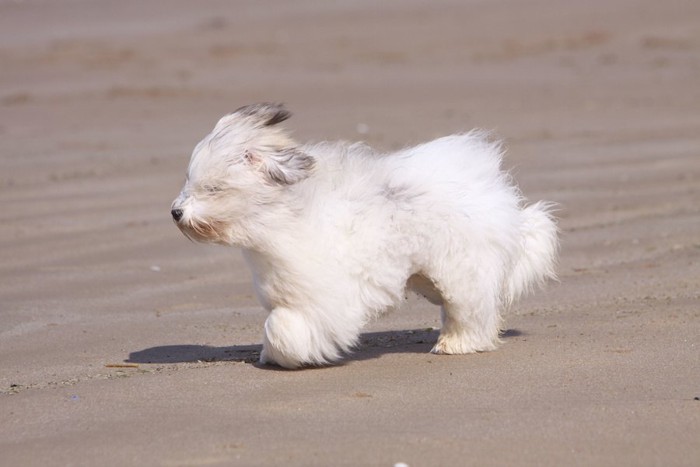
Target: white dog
{"x":335,"y":232}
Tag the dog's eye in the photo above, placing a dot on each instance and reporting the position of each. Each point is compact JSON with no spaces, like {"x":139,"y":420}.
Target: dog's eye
{"x":212,"y":188}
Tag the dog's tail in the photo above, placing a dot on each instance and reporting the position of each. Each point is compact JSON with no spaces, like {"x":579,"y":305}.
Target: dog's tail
{"x":539,"y":247}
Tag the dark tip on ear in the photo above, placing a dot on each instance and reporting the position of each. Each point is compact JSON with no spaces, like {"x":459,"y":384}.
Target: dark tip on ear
{"x":281,"y":115}
{"x":267,"y":113}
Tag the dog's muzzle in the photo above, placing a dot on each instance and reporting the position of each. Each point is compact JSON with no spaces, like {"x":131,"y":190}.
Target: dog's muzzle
{"x":177,"y":214}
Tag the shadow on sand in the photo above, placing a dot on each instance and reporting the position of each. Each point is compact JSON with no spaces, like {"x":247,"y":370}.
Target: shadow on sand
{"x":372,"y":345}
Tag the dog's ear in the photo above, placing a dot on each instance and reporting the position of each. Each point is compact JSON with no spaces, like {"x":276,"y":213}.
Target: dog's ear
{"x":264,"y":114}
{"x":285,"y":166}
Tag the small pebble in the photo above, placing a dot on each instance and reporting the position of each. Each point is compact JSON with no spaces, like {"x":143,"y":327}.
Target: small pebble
{"x":362,"y":128}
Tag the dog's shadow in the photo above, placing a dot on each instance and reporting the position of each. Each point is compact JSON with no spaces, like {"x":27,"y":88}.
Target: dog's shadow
{"x":372,"y":345}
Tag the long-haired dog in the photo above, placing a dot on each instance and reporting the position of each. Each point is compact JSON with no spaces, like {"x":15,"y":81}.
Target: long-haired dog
{"x":334,"y":232}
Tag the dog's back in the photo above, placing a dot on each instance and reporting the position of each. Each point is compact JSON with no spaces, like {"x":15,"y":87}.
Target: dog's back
{"x":453,"y":175}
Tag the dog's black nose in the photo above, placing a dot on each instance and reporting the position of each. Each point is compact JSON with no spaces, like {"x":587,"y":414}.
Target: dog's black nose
{"x":177,"y":214}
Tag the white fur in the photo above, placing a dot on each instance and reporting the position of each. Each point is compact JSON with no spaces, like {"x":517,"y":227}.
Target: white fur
{"x":335,"y":232}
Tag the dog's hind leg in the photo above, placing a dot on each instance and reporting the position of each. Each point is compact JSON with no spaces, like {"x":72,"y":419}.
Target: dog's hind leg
{"x":465,"y":330}
{"x":471,"y":318}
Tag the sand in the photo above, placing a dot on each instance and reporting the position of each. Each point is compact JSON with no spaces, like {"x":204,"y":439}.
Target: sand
{"x":122,"y":343}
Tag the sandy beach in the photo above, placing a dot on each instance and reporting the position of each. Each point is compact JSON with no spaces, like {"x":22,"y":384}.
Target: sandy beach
{"x":122,"y":343}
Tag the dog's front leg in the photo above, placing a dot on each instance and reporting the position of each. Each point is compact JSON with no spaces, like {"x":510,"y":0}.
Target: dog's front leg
{"x":294,"y":339}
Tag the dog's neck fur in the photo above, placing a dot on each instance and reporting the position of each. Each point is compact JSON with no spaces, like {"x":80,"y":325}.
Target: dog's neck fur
{"x":266,"y":230}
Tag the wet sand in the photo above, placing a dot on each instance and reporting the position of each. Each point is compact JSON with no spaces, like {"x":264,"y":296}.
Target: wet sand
{"x":122,"y":343}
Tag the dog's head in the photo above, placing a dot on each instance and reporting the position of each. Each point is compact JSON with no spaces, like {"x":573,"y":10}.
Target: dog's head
{"x":235,"y":171}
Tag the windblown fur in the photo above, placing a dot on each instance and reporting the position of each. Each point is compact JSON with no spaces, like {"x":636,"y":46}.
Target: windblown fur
{"x":335,"y":232}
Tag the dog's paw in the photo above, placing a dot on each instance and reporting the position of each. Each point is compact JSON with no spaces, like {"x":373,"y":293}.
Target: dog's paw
{"x":269,"y":356}
{"x":456,"y":344}
{"x":293,"y":340}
